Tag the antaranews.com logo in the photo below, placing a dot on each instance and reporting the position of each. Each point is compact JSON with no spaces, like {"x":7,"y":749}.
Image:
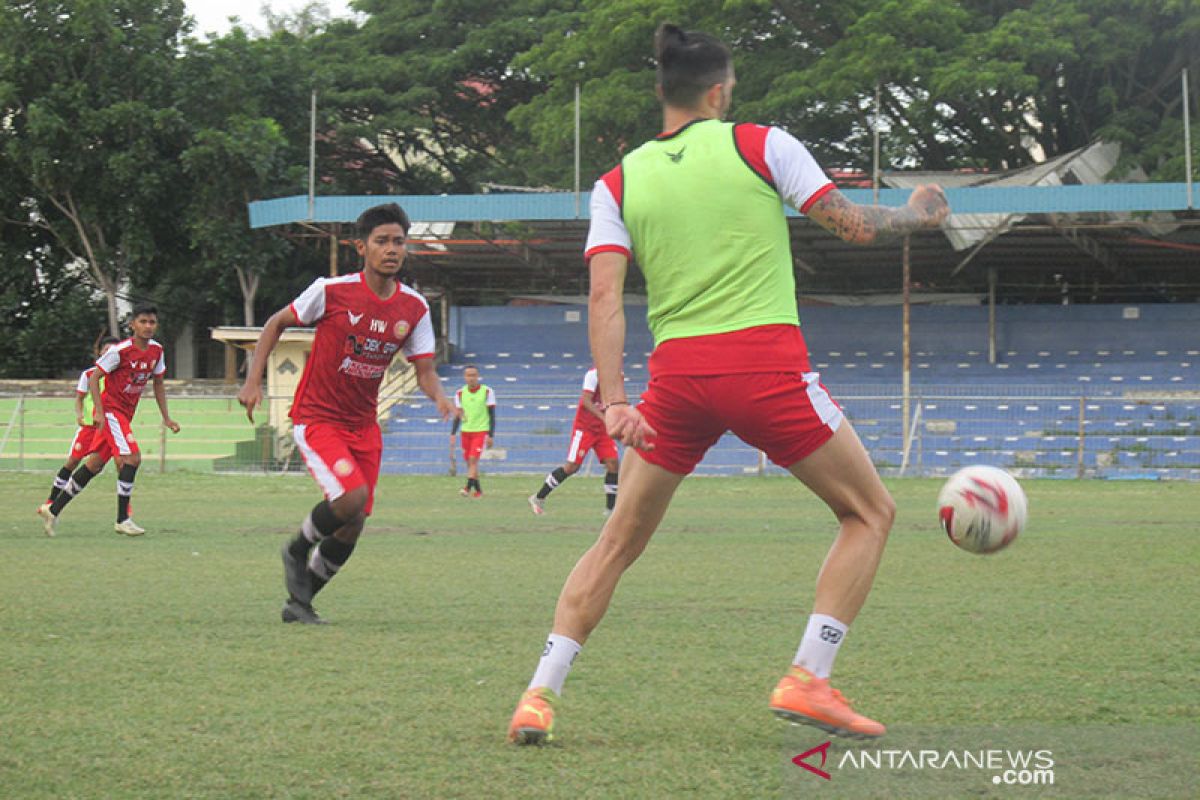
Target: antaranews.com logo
{"x":1007,"y":767}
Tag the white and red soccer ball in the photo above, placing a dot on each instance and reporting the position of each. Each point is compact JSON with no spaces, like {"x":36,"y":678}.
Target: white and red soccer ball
{"x":982,"y":509}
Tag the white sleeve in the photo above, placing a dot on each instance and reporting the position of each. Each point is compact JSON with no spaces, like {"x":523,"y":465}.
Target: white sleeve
{"x":491,"y":397}
{"x":607,"y":231}
{"x":82,"y":386}
{"x":420,"y":341}
{"x":110,"y":360}
{"x":458,"y":399}
{"x":310,"y":305}
{"x":161,"y":366}
{"x":591,"y":381}
{"x":798,"y":177}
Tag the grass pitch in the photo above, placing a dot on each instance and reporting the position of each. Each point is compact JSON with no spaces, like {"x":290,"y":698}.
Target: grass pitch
{"x":158,"y":667}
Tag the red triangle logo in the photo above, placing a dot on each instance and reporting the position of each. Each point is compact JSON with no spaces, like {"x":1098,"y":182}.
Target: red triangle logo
{"x":822,"y":749}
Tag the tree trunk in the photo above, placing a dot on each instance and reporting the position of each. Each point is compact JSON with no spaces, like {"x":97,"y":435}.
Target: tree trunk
{"x":248,"y":281}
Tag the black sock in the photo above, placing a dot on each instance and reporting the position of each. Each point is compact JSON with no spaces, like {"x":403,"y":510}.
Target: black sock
{"x":473,"y":484}
{"x":321,"y":523}
{"x":60,"y":483}
{"x":125,"y":488}
{"x":331,"y":556}
{"x":79,"y":479}
{"x":610,"y":490}
{"x":552,"y":481}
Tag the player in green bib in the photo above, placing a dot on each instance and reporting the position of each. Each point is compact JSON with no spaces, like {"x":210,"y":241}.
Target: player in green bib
{"x":475,"y":411}
{"x":701,"y":207}
{"x":88,"y":439}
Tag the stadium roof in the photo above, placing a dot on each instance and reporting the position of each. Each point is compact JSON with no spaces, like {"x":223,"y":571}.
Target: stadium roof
{"x":1098,"y":240}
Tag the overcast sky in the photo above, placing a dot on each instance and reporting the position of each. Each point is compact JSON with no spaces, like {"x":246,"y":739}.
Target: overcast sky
{"x":212,"y":15}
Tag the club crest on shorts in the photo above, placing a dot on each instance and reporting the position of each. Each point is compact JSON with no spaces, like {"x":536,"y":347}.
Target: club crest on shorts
{"x":400,"y":329}
{"x":343,"y":467}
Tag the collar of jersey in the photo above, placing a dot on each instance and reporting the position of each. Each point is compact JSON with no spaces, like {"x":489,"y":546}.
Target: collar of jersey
{"x":662,"y":137}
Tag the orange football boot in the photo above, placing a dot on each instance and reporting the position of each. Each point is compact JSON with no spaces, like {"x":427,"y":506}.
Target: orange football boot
{"x":533,"y":721}
{"x":804,"y":698}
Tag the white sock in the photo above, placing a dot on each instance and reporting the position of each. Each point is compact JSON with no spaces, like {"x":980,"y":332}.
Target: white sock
{"x":819,"y":647}
{"x":557,"y":658}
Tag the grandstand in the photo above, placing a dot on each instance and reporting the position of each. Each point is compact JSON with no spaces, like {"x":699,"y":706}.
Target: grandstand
{"x":997,"y":374}
{"x":1125,"y":377}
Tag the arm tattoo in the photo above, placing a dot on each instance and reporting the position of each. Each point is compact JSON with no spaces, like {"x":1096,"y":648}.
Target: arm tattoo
{"x":865,"y":224}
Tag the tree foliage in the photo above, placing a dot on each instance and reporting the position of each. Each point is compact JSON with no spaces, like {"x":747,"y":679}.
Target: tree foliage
{"x":963,"y":83}
{"x":92,"y":136}
{"x":128,"y":151}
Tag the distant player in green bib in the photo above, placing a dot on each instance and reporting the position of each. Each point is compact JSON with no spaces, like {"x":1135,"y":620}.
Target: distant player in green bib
{"x":475,"y":406}
{"x":89,"y":438}
{"x":701,"y":207}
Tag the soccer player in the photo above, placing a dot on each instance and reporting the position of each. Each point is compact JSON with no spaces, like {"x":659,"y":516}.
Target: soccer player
{"x":362,"y":320}
{"x":475,"y":410}
{"x":89,"y":438}
{"x":588,"y":434}
{"x":700,"y":206}
{"x":125,"y":368}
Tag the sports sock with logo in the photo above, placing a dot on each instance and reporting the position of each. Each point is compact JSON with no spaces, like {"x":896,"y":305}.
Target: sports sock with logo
{"x":124,"y":489}
{"x":60,"y":483}
{"x":320,"y":523}
{"x":552,"y":482}
{"x":610,"y":490}
{"x":557,"y":657}
{"x":819,"y":647}
{"x":328,"y":557}
{"x":74,"y":486}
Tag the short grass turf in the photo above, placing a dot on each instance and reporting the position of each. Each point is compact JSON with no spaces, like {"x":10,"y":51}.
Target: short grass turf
{"x":158,"y":666}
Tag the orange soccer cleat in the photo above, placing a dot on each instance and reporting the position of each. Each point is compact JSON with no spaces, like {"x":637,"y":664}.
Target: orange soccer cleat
{"x":804,"y":698}
{"x":533,"y":721}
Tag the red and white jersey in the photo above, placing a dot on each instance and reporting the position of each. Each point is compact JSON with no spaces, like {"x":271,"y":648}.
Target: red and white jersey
{"x":584,"y":419}
{"x":127,"y":370}
{"x":358,"y":335}
{"x":82,"y":386}
{"x":780,"y":158}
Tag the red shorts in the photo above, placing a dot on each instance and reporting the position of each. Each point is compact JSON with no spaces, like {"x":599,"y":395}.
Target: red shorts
{"x":473,"y":444}
{"x":582,"y":441}
{"x":787,"y":415}
{"x":341,"y":459}
{"x":117,"y":434}
{"x":89,"y":440}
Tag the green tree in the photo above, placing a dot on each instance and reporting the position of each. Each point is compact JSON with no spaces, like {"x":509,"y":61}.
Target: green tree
{"x":247,"y":106}
{"x":421,"y":91}
{"x":91,"y":135}
{"x":963,"y":83}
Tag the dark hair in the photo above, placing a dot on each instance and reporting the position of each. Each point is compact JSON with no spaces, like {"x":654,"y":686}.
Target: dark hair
{"x":143,"y":308}
{"x":375,"y":216}
{"x":689,"y":64}
{"x":470,"y":366}
{"x":106,"y":341}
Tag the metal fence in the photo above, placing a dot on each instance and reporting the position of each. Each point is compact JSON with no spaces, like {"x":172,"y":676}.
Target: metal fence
{"x":1032,"y":431}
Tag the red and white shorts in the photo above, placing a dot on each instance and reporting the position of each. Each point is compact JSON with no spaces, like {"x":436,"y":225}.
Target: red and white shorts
{"x":583,"y":440}
{"x":118,"y":435}
{"x":473,"y":444}
{"x":787,"y":415}
{"x":89,"y":440}
{"x":341,"y":459}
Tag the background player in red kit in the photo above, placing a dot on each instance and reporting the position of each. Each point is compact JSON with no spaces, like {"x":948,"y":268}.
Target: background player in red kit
{"x":588,"y":433}
{"x":89,"y":435}
{"x":125,"y":368}
{"x":362,"y":320}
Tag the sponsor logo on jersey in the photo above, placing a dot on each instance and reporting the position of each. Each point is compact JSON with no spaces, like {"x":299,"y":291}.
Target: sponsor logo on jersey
{"x":354,"y":318}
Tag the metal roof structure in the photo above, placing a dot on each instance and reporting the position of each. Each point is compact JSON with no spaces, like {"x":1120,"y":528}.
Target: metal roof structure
{"x":1091,"y":243}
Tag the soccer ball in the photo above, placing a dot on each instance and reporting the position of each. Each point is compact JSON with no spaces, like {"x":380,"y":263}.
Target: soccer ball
{"x":982,"y":509}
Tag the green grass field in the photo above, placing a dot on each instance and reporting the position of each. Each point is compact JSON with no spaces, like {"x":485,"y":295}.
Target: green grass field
{"x":157,"y":667}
